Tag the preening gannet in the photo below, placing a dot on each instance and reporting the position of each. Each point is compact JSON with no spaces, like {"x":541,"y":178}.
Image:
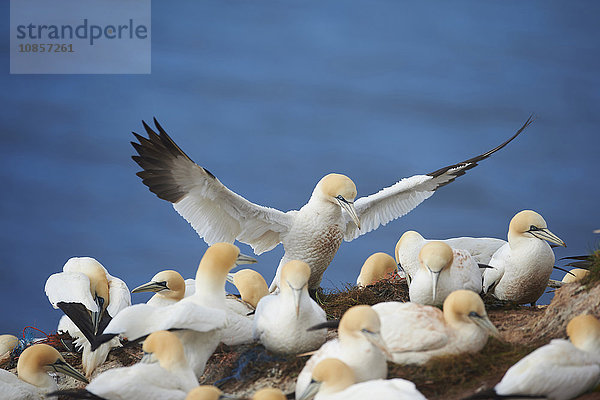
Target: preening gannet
{"x":560,"y":370}
{"x":410,"y":243}
{"x":522,"y":267}
{"x":415,"y":333}
{"x":443,"y":270}
{"x":169,"y":287}
{"x":33,"y":382}
{"x":90,"y":297}
{"x":359,"y":345}
{"x":252,"y":287}
{"x":334,"y":380}
{"x":269,"y":394}
{"x":281,"y":319}
{"x":375,"y":268}
{"x":163,"y":373}
{"x":7,"y":345}
{"x":312,"y":234}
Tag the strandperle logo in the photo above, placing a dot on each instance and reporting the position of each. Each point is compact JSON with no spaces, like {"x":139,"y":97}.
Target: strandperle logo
{"x":130,"y":30}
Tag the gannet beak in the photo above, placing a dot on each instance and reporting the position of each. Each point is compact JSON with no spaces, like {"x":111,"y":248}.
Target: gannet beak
{"x":244,"y":259}
{"x":349,"y":207}
{"x":377,"y":341}
{"x":148,"y":358}
{"x":229,"y":278}
{"x":297,"y":295}
{"x":545,"y":234}
{"x":63,"y":367}
{"x":97,"y":315}
{"x":151,"y":286}
{"x":485,"y":323}
{"x":311,"y":390}
{"x":435,"y":276}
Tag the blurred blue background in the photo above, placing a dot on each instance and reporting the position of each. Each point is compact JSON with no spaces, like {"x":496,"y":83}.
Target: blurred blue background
{"x":270,"y":96}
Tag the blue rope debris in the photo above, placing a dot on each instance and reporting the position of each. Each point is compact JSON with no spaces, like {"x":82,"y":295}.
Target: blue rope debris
{"x":254,"y":355}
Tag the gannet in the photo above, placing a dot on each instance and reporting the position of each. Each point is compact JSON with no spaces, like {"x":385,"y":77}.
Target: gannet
{"x":359,"y":345}
{"x":560,"y":370}
{"x":33,"y":382}
{"x":575,"y":275}
{"x":410,"y":243}
{"x":375,"y":268}
{"x":206,"y":392}
{"x":170,"y":287}
{"x":522,"y":267}
{"x":415,"y":333}
{"x":443,"y":270}
{"x":312,"y":234}
{"x":281,"y":319}
{"x":163,"y":373}
{"x":90,"y":297}
{"x":252,"y":287}
{"x":269,"y":394}
{"x":334,"y":380}
{"x":7,"y":345}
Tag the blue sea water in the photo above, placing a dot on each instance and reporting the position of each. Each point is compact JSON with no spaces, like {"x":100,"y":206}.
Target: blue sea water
{"x":270,"y":96}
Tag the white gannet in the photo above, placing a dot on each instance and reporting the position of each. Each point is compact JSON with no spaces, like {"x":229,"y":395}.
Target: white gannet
{"x":334,"y":380}
{"x":443,"y":270}
{"x":560,"y":370}
{"x":33,"y":381}
{"x":312,"y":234}
{"x":410,"y":243}
{"x":169,"y":287}
{"x":375,"y":268}
{"x":415,"y":333}
{"x":252,"y":287}
{"x":522,"y":267}
{"x":359,"y":345}
{"x":281,"y":319}
{"x":90,"y":297}
{"x":7,"y":345}
{"x":163,"y":373}
{"x":269,"y":394}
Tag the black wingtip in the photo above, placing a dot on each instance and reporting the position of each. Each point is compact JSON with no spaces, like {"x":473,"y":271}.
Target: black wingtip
{"x":333,"y":324}
{"x":101,"y":339}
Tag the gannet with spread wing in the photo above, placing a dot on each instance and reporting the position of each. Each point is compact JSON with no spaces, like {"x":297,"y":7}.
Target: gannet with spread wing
{"x":312,"y":234}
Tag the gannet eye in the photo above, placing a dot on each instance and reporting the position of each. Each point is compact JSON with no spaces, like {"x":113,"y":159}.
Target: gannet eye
{"x":340,"y":197}
{"x":534,"y":228}
{"x":367,"y":331}
{"x":473,"y":314}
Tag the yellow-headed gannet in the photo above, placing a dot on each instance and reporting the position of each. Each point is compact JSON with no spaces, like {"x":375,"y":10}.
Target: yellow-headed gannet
{"x":334,"y":380}
{"x":359,"y":345}
{"x":269,"y":394}
{"x":7,"y":345}
{"x":252,"y":287}
{"x":169,"y":287}
{"x":560,"y":370}
{"x":410,"y":243}
{"x":575,"y":275}
{"x":414,"y":333}
{"x":90,"y":297}
{"x":375,"y":268}
{"x":33,"y":381}
{"x":443,"y":270}
{"x":312,"y":234}
{"x":522,"y":267}
{"x":163,"y":373}
{"x":281,"y":319}
{"x":207,"y":392}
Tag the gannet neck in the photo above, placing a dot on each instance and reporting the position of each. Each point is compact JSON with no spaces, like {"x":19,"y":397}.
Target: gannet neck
{"x":375,"y":268}
{"x":269,"y":394}
{"x":334,"y":375}
{"x":409,"y":239}
{"x":358,"y":324}
{"x":251,"y":285}
{"x":436,"y":256}
{"x":584,"y":333}
{"x":167,"y":349}
{"x":204,"y":392}
{"x":212,"y":271}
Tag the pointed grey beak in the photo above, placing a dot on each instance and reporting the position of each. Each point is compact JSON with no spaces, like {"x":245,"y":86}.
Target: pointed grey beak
{"x":435,"y":276}
{"x":311,"y":390}
{"x":229,"y":278}
{"x":97,"y":315}
{"x":151,"y":286}
{"x":64,"y":368}
{"x":377,"y":341}
{"x":297,"y":295}
{"x":545,"y":234}
{"x":485,"y":323}
{"x":349,"y":207}
{"x":148,"y":358}
{"x":244,"y":259}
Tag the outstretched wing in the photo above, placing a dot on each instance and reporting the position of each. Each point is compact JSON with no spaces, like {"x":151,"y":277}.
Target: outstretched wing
{"x":399,"y":199}
{"x":215,"y":212}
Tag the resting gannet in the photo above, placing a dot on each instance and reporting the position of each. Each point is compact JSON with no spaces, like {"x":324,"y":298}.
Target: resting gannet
{"x":33,"y":382}
{"x":359,"y":345}
{"x":415,"y":333}
{"x":90,"y":297}
{"x":281,"y":319}
{"x":252,"y":288}
{"x":522,"y":267}
{"x":560,"y":370}
{"x":7,"y":345}
{"x":163,"y":373}
{"x":312,"y":234}
{"x":410,"y":243}
{"x":269,"y":394}
{"x":375,"y":268}
{"x":443,"y":270}
{"x":207,"y":392}
{"x":169,"y":287}
{"x":334,"y":380}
